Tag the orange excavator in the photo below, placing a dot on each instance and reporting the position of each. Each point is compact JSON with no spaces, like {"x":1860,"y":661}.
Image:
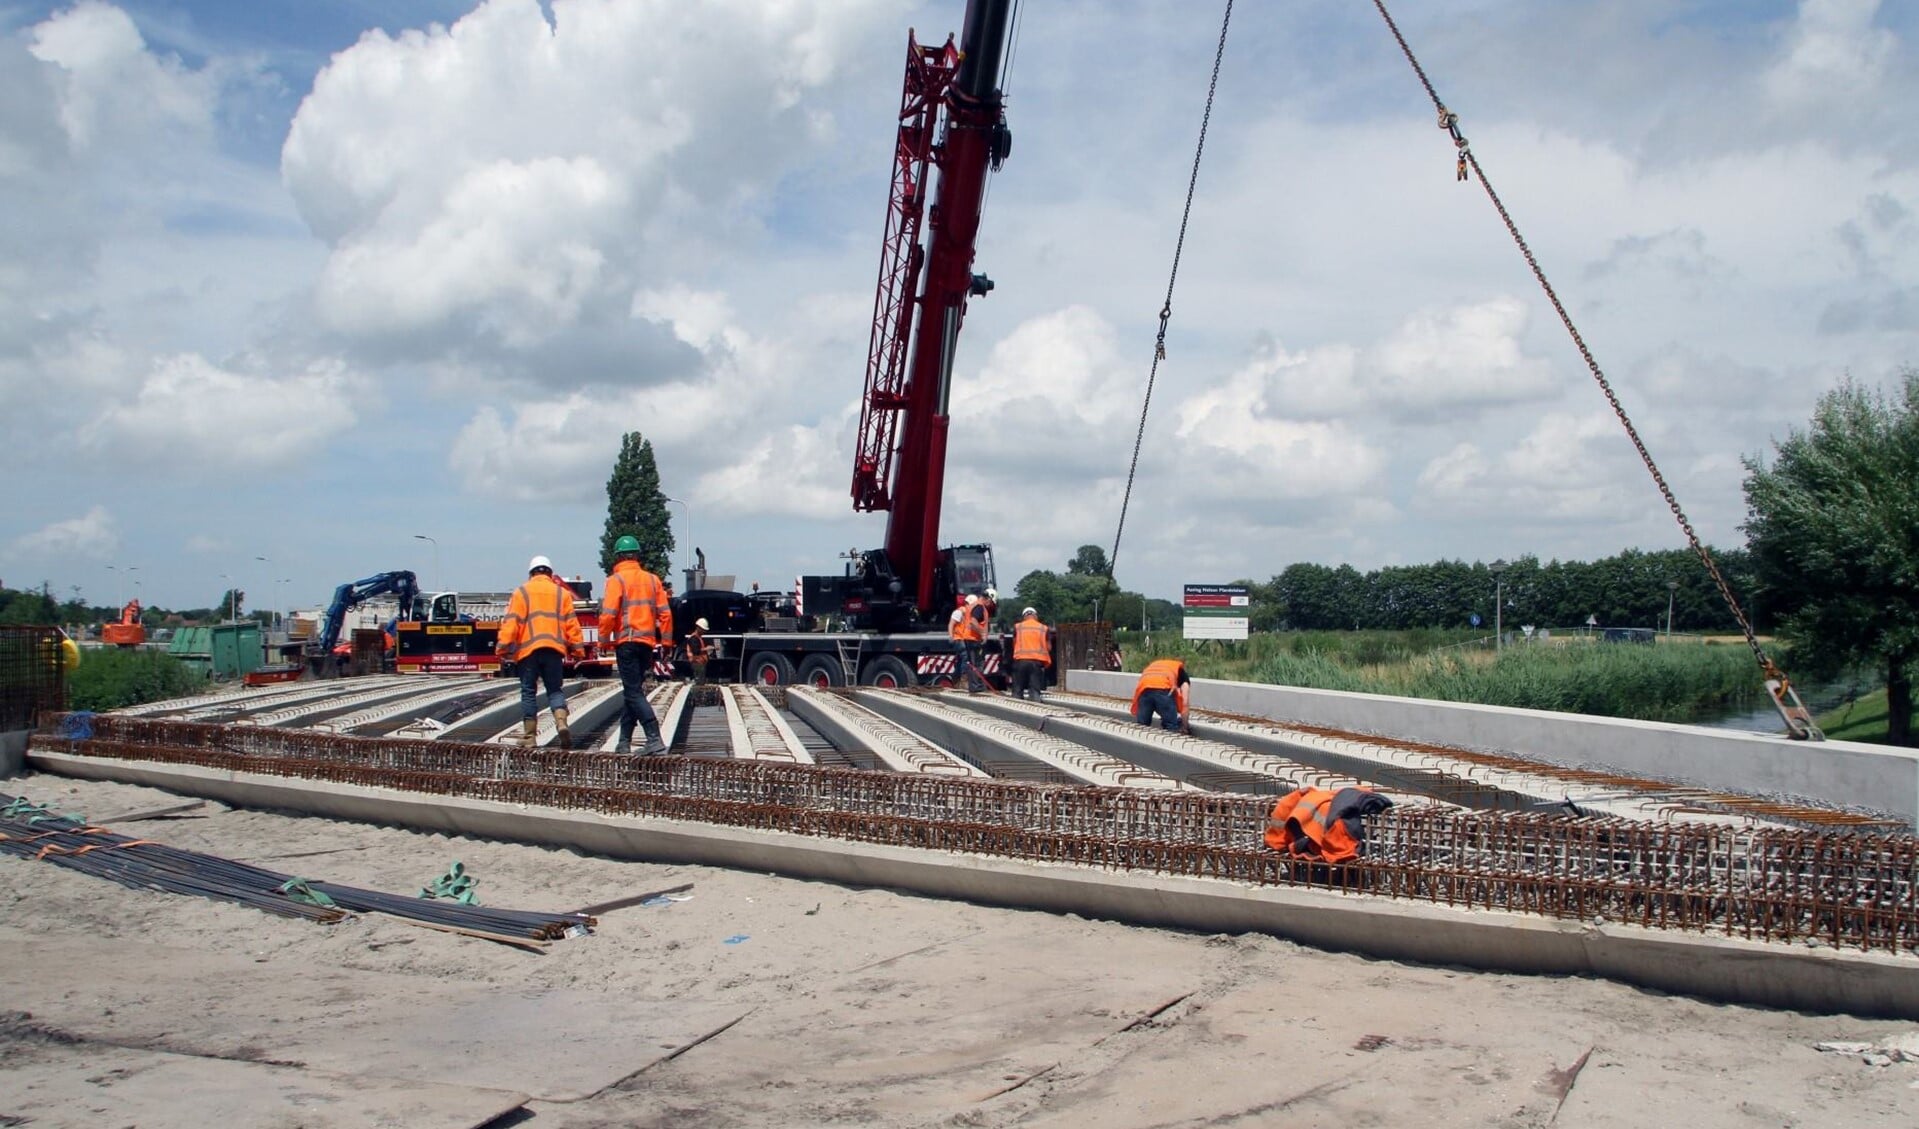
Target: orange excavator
{"x":129,"y":632}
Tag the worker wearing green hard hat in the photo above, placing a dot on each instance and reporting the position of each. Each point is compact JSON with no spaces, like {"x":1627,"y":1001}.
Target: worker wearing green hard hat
{"x":633,"y":610}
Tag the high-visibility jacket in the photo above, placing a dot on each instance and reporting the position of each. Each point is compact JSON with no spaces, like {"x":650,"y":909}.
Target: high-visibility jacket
{"x":1162,"y":674}
{"x":696,"y":647}
{"x":1302,"y":824}
{"x":1029,"y":642}
{"x":633,"y":607}
{"x":963,"y":627}
{"x":539,"y":617}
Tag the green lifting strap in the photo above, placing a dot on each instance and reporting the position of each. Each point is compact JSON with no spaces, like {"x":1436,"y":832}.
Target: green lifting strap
{"x":456,"y":884}
{"x":300,"y":890}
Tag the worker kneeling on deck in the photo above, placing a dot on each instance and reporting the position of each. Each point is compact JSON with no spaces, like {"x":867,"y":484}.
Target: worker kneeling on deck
{"x":537,"y":635}
{"x":633,"y":610}
{"x":1321,"y":824}
{"x":1162,"y":690}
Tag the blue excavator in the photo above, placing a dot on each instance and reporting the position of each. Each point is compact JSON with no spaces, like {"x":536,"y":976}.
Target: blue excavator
{"x":402,"y":585}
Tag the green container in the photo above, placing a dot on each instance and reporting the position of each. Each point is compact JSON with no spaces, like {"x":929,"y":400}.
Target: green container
{"x":227,"y":650}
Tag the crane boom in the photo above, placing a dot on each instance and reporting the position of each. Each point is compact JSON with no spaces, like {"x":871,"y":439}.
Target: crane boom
{"x":900,"y":463}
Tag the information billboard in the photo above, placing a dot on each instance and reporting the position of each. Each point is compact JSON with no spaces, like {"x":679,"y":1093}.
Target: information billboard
{"x":1218,"y":611}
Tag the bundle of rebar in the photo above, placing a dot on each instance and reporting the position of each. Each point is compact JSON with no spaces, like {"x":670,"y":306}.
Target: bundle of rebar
{"x":1843,"y":888}
{"x":32,"y":832}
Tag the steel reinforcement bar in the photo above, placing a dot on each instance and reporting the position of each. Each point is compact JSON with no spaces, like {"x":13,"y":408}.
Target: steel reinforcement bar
{"x":1847,"y":890}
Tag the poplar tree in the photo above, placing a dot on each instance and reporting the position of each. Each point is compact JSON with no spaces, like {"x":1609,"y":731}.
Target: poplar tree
{"x":635,"y":505}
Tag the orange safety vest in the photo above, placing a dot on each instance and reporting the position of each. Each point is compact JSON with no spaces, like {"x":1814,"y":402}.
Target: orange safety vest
{"x":1161,"y":674}
{"x":1301,"y":824}
{"x":540,"y":616}
{"x":633,"y":607}
{"x":696,"y":647}
{"x":1029,"y":642}
{"x":964,"y":627}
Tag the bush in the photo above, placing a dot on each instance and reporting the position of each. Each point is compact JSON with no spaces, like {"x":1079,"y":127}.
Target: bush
{"x":108,"y":678}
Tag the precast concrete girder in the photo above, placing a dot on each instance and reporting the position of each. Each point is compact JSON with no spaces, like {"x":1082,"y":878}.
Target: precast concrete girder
{"x":984,"y":739}
{"x":1194,"y":761}
{"x":850,"y":725}
{"x":1469,"y":779}
{"x":757,"y":731}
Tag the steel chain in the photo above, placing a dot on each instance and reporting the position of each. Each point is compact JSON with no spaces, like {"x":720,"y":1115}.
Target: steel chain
{"x":1166,"y":308}
{"x":1449,"y":121}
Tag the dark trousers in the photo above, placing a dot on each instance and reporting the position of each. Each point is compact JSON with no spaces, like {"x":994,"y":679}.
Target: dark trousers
{"x":1161,"y":702}
{"x":1028,"y":675}
{"x":635,"y":662}
{"x":542,"y":666}
{"x":969,"y":661}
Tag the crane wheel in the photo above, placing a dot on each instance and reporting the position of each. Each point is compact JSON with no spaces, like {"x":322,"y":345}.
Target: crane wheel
{"x":822,"y":672}
{"x":887,"y":673}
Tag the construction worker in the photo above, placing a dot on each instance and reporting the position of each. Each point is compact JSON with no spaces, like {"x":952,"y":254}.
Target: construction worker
{"x":1032,"y":655}
{"x":1162,"y":690}
{"x":632,"y":610}
{"x":964,"y":628}
{"x":1321,"y":824}
{"x":538,"y":635}
{"x":696,"y":651}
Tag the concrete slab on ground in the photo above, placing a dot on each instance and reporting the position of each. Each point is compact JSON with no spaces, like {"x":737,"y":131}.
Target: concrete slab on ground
{"x":52,"y":1081}
{"x":553,"y":1044}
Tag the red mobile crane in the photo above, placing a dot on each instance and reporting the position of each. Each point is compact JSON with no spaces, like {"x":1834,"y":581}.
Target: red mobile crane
{"x":900,"y":463}
{"x":897,"y":598}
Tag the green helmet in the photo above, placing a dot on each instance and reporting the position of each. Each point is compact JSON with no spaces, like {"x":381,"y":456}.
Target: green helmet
{"x":627,"y":544}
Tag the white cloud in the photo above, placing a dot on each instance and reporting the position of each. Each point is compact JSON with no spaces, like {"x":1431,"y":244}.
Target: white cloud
{"x":540,"y":168}
{"x":114,"y":92}
{"x":92,"y":534}
{"x":189,"y":413}
{"x":1834,"y":55}
{"x":1567,"y":468}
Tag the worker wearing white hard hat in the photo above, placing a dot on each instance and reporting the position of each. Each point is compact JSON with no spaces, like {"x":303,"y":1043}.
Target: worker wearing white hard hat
{"x":967,"y":631}
{"x":540,"y":632}
{"x":697,"y":651}
{"x":1032,"y":655}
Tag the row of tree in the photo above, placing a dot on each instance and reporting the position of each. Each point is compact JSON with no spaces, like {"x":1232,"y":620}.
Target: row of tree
{"x":1632,"y":588}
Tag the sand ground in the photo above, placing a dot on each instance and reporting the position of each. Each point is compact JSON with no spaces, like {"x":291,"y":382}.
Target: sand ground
{"x":832,"y":1006}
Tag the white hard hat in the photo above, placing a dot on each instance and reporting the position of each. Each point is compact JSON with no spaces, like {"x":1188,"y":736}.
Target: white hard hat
{"x":971,"y":600}
{"x":700,"y":623}
{"x":1029,"y":611}
{"x":538,"y":563}
{"x":992,"y":593}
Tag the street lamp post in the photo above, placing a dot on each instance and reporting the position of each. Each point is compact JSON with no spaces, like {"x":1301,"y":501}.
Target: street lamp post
{"x":439,"y":578}
{"x":1498,"y":569}
{"x":1672,"y":589}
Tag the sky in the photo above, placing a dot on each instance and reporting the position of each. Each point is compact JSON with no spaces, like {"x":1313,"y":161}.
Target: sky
{"x":290,"y":287}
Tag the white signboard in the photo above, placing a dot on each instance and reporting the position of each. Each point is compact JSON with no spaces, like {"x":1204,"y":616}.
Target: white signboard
{"x":1217,"y":611}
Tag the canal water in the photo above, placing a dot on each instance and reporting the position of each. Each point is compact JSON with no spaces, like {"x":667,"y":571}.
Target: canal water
{"x":1761,"y":717}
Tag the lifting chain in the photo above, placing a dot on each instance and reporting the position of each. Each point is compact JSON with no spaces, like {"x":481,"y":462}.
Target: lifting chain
{"x":1798,"y":719}
{"x":1166,"y":307}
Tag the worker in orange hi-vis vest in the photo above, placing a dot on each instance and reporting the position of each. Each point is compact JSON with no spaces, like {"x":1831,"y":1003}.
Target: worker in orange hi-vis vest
{"x":964,"y":628}
{"x":696,"y":651}
{"x":538,"y":634}
{"x":1032,"y":655}
{"x":633,"y":609}
{"x":1162,"y":690}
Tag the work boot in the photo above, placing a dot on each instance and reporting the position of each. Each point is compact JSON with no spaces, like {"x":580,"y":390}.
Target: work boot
{"x":559,"y":724}
{"x":529,"y":731}
{"x":654,"y":746}
{"x":625,"y":743}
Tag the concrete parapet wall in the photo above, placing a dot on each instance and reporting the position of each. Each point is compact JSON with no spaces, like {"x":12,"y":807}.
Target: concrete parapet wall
{"x":1717,"y":968}
{"x":1848,"y":773}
